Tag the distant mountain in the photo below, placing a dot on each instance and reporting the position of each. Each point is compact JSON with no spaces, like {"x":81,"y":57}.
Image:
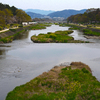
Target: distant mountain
{"x":35,"y":15}
{"x":63,"y":13}
{"x":66,"y":13}
{"x":43,"y":12}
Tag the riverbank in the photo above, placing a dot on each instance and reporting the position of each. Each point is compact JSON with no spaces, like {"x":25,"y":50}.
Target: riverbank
{"x":12,"y":34}
{"x":92,"y":37}
{"x":89,"y":32}
{"x":56,"y":37}
{"x":61,"y":82}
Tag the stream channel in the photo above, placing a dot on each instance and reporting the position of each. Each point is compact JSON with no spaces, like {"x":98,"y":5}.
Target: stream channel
{"x":23,"y":60}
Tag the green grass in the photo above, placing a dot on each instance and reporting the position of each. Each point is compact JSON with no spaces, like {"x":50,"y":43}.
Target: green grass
{"x":13,"y":30}
{"x":90,"y":33}
{"x":7,"y":39}
{"x":63,"y":84}
{"x":11,"y":38}
{"x":57,"y":37}
{"x":17,"y":34}
{"x":86,"y":31}
{"x":39,"y":26}
{"x":73,"y":27}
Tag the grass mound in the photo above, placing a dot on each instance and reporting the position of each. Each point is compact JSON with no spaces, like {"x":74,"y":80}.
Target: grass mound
{"x":57,"y":37}
{"x":60,"y":83}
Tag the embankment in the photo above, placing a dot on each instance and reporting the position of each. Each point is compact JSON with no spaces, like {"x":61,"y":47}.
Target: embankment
{"x":11,"y":34}
{"x":89,"y":32}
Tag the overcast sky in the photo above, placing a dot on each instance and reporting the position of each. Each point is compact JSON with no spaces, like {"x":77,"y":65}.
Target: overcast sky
{"x":56,"y":5}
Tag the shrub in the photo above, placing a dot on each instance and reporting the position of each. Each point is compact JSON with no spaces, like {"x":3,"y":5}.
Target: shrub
{"x":20,"y":26}
{"x":1,"y":28}
{"x":49,"y":33}
{"x":53,"y":36}
{"x":84,"y":70}
{"x":13,"y":30}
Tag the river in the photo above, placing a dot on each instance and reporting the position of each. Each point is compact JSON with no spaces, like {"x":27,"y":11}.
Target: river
{"x":23,"y":60}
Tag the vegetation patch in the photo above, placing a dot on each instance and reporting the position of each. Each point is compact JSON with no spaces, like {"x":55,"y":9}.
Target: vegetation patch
{"x":11,"y":38}
{"x":90,"y":32}
{"x":13,"y":30}
{"x":72,"y":27}
{"x":74,"y":82}
{"x":12,"y":34}
{"x":87,"y":30}
{"x":39,"y":26}
{"x":57,"y":37}
{"x":90,"y":16}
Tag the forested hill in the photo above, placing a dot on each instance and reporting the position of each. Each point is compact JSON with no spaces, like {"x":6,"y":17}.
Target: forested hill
{"x":90,"y":16}
{"x":11,"y":15}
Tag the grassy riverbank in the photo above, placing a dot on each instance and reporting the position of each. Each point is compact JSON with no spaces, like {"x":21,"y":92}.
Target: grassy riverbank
{"x":39,"y":26}
{"x":12,"y":34}
{"x":56,"y":37}
{"x":88,"y":31}
{"x":74,"y":82}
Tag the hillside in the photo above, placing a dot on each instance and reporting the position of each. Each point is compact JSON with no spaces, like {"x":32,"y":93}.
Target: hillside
{"x":66,"y":13}
{"x":90,"y":16}
{"x":11,"y":15}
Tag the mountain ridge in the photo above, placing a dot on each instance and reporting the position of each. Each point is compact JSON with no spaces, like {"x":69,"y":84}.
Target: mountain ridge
{"x":35,"y":15}
{"x":64,"y":13}
{"x":43,"y":12}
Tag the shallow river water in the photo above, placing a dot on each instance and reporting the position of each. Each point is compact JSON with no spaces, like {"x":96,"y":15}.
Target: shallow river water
{"x":23,"y":60}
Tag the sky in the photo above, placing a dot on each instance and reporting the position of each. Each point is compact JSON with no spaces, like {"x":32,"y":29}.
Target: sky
{"x":55,"y":5}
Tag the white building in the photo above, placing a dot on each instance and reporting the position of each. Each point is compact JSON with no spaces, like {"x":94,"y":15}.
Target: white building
{"x":30,"y":23}
{"x":24,"y":23}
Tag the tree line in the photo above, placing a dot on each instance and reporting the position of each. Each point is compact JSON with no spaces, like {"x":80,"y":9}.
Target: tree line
{"x":12,"y":15}
{"x":90,"y":16}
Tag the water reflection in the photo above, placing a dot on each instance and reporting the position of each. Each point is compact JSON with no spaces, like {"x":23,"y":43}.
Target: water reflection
{"x":2,"y":52}
{"x":23,"y":35}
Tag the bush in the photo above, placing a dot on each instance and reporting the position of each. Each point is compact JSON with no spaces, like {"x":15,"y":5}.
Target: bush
{"x":13,"y":30}
{"x":20,"y":26}
{"x":84,"y":70}
{"x":49,"y":33}
{"x":53,"y":36}
{"x":1,"y":28}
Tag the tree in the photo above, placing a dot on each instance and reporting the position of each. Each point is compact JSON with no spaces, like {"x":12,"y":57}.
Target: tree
{"x":13,"y":9}
{"x":98,"y":17}
{"x":22,"y":16}
{"x":2,"y":20}
{"x":8,"y":15}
